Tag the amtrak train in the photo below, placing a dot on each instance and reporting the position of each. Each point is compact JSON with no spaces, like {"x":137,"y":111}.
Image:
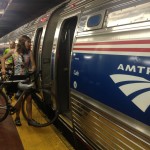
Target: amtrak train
{"x":95,"y":57}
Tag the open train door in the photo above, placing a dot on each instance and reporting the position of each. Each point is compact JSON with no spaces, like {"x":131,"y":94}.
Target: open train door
{"x":47,"y":61}
{"x":36,"y":53}
{"x":36,"y":48}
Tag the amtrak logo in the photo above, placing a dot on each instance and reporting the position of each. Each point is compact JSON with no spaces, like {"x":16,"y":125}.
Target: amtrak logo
{"x":142,"y":101}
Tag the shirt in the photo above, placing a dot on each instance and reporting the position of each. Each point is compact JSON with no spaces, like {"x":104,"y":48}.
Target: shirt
{"x":10,"y":59}
{"x":21,"y":63}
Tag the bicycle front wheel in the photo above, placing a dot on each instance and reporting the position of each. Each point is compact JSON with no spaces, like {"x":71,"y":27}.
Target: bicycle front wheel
{"x":3,"y":106}
{"x":42,"y":113}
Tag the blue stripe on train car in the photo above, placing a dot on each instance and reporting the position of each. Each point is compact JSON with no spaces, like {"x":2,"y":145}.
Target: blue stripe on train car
{"x":117,"y":81}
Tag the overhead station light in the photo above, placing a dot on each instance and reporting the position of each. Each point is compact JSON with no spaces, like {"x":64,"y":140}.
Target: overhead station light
{"x":4,"y":6}
{"x":2,"y":11}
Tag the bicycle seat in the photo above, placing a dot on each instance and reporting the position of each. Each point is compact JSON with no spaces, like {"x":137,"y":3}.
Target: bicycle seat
{"x":25,"y":86}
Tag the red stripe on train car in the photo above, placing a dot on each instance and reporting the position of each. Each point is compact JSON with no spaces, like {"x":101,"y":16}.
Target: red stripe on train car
{"x":116,"y":42}
{"x":114,"y":49}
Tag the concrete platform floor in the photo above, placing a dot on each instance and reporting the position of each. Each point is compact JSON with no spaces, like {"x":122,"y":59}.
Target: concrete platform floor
{"x":27,"y":137}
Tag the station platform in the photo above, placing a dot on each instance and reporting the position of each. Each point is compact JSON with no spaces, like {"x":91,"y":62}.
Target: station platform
{"x":27,"y":137}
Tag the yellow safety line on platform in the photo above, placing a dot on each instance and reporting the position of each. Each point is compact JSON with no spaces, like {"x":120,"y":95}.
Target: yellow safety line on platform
{"x":46,"y":138}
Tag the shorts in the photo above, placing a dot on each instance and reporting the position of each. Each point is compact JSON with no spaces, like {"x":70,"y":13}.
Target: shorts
{"x":13,"y":87}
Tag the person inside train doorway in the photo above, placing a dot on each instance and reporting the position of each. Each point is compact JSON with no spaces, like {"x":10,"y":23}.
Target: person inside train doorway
{"x":23,"y":63}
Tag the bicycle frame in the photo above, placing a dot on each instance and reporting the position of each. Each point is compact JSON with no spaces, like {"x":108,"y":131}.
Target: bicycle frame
{"x":43,"y":114}
{"x":3,"y":84}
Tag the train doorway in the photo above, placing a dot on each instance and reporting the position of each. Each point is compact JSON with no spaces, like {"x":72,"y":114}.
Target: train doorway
{"x":36,"y":48}
{"x":63,"y":63}
{"x":37,"y":55}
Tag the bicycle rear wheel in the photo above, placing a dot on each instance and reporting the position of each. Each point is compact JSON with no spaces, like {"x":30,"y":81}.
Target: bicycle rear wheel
{"x":42,"y":112}
{"x":3,"y":106}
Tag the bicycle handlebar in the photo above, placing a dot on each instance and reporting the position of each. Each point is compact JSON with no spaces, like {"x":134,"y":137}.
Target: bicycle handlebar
{"x":9,"y":77}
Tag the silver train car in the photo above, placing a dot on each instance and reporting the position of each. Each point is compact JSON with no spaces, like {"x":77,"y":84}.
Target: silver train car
{"x":95,"y":57}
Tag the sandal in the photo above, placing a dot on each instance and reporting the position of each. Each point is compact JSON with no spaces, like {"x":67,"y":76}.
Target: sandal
{"x":17,"y":122}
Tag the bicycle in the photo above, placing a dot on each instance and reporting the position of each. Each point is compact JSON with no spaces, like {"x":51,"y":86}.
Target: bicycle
{"x":42,"y":111}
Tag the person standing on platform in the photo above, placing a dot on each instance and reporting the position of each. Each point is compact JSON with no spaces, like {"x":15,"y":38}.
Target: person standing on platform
{"x":9,"y":61}
{"x":22,"y":60}
{"x":9,"y":65}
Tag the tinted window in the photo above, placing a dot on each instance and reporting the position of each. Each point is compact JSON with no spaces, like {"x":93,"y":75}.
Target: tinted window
{"x":94,"y":20}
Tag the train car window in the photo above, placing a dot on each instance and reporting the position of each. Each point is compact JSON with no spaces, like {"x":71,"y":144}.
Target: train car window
{"x":94,"y":21}
{"x":134,"y":14}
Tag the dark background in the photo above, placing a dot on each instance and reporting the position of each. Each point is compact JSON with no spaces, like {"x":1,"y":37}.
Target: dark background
{"x":19,"y":12}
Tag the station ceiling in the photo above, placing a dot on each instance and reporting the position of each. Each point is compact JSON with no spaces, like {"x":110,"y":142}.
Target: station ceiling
{"x":14,"y":13}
